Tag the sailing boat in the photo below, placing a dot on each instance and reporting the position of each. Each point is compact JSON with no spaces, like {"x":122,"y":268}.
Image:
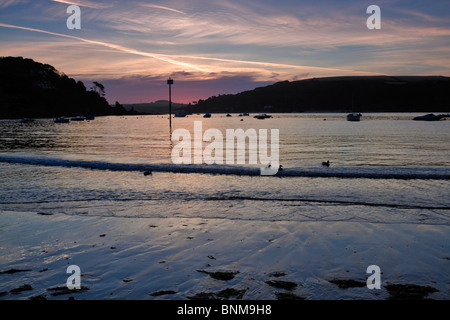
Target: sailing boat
{"x":353,"y":116}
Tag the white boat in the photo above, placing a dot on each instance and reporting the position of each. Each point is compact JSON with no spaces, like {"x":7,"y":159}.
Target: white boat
{"x":429,"y":117}
{"x":354,"y":116}
{"x":62,"y":120}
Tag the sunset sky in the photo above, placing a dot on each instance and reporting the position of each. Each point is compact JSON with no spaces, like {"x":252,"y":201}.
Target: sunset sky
{"x":226,"y":46}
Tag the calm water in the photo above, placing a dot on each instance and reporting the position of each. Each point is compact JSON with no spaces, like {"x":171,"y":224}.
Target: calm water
{"x":384,"y":169}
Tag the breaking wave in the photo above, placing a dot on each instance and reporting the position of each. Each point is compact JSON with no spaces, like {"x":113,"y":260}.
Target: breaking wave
{"x":369,"y":172}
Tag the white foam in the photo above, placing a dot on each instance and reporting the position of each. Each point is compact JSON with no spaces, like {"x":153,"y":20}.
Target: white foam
{"x":370,"y":172}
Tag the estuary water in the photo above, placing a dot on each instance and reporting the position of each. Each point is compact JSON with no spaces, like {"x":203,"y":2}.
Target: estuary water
{"x":384,"y":169}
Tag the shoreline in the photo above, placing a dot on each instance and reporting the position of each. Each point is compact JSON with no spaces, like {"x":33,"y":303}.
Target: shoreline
{"x":224,"y":113}
{"x":198,"y":258}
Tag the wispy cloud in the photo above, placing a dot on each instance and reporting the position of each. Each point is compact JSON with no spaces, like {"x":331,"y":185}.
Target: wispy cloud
{"x":149,"y":5}
{"x":191,"y":62}
{"x":206,"y":40}
{"x":85,"y":3}
{"x":7,"y":3}
{"x":229,"y":24}
{"x":161,"y":57}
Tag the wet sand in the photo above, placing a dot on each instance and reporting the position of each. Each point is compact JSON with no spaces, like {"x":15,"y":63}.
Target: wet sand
{"x":189,"y":259}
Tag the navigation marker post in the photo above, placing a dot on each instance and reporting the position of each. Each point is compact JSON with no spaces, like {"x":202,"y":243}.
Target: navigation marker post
{"x":170,"y":83}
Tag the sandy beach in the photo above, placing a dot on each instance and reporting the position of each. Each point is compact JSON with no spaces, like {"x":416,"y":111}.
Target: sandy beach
{"x":186,"y":259}
{"x":235,"y":152}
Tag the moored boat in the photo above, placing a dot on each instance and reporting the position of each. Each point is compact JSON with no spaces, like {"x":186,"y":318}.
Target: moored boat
{"x":61,"y":120}
{"x":429,"y":117}
{"x":78,"y":118}
{"x":262,"y":116}
{"x":26,"y":120}
{"x":354,"y":116}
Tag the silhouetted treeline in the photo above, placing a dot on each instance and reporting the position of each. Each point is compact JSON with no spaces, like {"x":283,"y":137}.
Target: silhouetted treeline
{"x":369,"y":94}
{"x":35,"y":90}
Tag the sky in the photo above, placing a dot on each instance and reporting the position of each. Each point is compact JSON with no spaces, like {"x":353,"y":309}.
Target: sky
{"x":224,"y":47}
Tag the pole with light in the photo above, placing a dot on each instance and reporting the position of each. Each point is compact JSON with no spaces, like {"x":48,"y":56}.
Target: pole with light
{"x":170,"y":83}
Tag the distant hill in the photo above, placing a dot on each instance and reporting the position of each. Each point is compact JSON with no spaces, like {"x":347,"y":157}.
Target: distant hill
{"x":157,"y":107}
{"x":335,"y":94}
{"x":35,"y":90}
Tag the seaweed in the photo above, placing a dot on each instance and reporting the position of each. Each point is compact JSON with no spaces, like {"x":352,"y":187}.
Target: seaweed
{"x":287,"y":285}
{"x":57,"y":291}
{"x":408,"y":291}
{"x":25,"y":287}
{"x":11,"y":271}
{"x":287,"y":296}
{"x":162,"y":292}
{"x":345,"y":284}
{"x":225,"y":294}
{"x":220,"y":275}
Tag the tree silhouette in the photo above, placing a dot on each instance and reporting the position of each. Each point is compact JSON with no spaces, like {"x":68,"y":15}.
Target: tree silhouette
{"x":35,"y":90}
{"x":99,"y":88}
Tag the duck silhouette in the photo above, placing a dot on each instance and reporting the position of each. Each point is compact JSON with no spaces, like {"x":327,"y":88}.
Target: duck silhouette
{"x":280,"y":168}
{"x":326,"y":164}
{"x":148,"y":173}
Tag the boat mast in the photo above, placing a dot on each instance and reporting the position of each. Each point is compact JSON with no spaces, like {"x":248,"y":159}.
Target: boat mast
{"x":353,"y":103}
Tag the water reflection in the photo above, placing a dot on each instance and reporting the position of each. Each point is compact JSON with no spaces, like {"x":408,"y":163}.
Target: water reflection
{"x":305,"y":139}
{"x":26,"y":136}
